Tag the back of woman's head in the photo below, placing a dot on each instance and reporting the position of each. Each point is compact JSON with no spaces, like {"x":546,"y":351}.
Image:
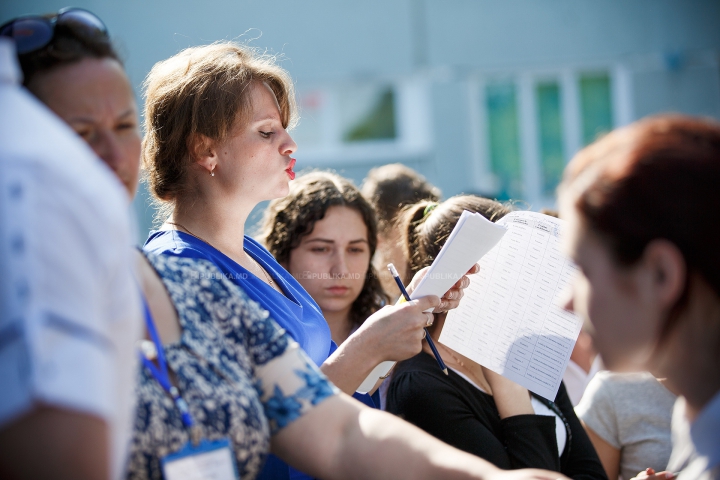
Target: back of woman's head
{"x":427,"y":225}
{"x":204,"y":91}
{"x":287,"y":220}
{"x":391,"y":187}
{"x":658,"y":178}
{"x":71,"y":43}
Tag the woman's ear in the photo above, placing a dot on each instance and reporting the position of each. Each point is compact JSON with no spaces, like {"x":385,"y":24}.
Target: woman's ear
{"x":202,"y":151}
{"x":667,"y":272}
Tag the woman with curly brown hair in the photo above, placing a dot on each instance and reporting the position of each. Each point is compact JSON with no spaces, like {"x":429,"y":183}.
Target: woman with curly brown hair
{"x":324,"y":233}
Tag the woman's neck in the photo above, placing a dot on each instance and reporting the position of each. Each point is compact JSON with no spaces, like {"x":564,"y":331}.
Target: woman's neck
{"x":340,"y":325}
{"x":453,"y":359}
{"x":688,"y":358}
{"x":461,"y":364}
{"x":218,"y":223}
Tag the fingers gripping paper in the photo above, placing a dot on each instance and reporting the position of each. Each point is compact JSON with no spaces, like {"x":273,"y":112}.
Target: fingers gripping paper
{"x":472,"y":237}
{"x":510,"y":319}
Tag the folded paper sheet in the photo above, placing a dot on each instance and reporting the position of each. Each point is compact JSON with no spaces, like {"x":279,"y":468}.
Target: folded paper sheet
{"x":510,"y":319}
{"x":472,"y":237}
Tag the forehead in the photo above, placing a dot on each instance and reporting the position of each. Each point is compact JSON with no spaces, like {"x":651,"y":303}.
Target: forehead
{"x":90,"y":84}
{"x":340,"y":222}
{"x":263,"y":102}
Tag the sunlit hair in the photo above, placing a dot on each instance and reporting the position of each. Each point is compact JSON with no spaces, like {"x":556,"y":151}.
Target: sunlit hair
{"x":70,"y":44}
{"x":204,"y":91}
{"x":427,"y":225}
{"x":287,"y":220}
{"x":658,"y":178}
{"x":391,"y":187}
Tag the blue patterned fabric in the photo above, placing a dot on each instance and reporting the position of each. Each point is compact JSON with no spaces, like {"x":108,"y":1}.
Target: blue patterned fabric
{"x":242,"y":376}
{"x":296,"y":311}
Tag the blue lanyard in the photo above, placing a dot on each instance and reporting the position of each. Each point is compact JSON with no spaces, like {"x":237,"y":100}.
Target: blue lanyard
{"x":161,"y":374}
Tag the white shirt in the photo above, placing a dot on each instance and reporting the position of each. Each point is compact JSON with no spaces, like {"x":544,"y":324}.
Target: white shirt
{"x":69,"y":306}
{"x":576,"y":379}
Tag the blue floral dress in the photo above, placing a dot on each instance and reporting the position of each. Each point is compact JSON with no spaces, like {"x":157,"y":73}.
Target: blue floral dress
{"x":242,"y":376}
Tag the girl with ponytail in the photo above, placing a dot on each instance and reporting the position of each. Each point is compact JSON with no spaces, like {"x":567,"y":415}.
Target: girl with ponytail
{"x":473,"y":408}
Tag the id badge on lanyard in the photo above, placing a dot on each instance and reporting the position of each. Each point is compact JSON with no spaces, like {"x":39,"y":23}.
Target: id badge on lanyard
{"x":206,"y":461}
{"x":198,"y":459}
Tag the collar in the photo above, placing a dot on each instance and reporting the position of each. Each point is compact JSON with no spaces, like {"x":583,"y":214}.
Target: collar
{"x":9,"y":66}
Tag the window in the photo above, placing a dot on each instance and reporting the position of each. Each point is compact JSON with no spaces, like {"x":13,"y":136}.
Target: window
{"x":367,"y":114}
{"x":595,"y":106}
{"x":552,"y":158}
{"x":504,"y":139}
{"x":533,"y":124}
{"x":363,"y":122}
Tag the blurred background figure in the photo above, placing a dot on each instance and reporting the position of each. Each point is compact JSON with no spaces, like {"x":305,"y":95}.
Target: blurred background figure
{"x":69,"y":305}
{"x":484,"y":96}
{"x":390,"y":188}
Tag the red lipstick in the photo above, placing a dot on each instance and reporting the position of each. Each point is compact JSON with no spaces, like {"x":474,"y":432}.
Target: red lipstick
{"x":289,"y":170}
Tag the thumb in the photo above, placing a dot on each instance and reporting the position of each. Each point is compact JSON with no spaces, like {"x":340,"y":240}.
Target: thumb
{"x":428,"y":303}
{"x":416,"y":279}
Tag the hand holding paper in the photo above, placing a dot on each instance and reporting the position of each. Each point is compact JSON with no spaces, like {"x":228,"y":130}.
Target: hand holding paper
{"x":451,"y":299}
{"x":510,"y":320}
{"x":472,"y":237}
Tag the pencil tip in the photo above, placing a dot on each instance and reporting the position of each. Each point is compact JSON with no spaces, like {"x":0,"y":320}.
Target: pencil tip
{"x":445,"y":371}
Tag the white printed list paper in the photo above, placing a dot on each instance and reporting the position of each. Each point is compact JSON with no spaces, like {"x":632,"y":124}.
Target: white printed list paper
{"x":510,"y":320}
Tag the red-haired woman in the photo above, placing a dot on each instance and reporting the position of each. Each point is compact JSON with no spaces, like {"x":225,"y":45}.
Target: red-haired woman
{"x":642,"y":205}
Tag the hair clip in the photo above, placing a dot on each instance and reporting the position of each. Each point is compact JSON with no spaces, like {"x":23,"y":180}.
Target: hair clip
{"x":429,"y":208}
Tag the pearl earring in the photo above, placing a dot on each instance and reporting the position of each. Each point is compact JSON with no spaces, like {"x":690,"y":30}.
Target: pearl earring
{"x":212,"y":172}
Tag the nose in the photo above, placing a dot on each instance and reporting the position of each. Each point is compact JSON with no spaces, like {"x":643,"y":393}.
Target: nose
{"x":339,"y":264}
{"x":288,"y":147}
{"x":107,"y":147}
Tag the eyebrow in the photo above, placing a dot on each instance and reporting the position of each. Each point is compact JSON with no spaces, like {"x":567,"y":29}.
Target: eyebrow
{"x":81,"y":119}
{"x":266,"y":118}
{"x":326,"y":240}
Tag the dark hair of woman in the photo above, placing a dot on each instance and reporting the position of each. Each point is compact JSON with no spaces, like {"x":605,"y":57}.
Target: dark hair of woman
{"x":69,"y":44}
{"x":287,"y":220}
{"x":427,"y":225}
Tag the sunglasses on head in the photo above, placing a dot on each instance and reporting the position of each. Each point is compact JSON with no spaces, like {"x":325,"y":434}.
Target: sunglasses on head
{"x":33,"y":32}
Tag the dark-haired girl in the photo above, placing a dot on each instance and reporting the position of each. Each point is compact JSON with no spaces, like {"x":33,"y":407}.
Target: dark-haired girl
{"x":325,"y":234}
{"x":473,"y":408}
